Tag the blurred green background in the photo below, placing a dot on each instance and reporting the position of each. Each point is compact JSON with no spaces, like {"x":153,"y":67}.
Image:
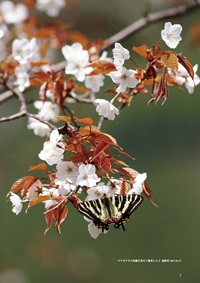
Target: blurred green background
{"x":165,"y":140}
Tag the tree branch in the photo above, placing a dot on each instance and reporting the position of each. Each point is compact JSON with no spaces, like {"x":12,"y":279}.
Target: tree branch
{"x":140,"y":24}
{"x":151,"y":18}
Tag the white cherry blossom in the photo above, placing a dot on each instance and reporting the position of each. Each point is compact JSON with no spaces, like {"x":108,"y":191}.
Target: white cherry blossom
{"x":87,"y":176}
{"x":64,"y":187}
{"x":25,"y":50}
{"x":33,"y":190}
{"x":16,"y":202}
{"x":94,"y":82}
{"x":97,"y":192}
{"x":22,"y":78}
{"x":191,"y":83}
{"x":138,"y":184}
{"x":51,"y":7}
{"x":51,"y":153}
{"x":171,"y":34}
{"x":13,"y":13}
{"x":120,"y":54}
{"x":77,"y":61}
{"x":104,"y":56}
{"x":114,"y":186}
{"x":53,"y":150}
{"x":47,"y":110}
{"x":106,"y":109}
{"x":39,"y":129}
{"x":52,"y":192}
{"x":93,"y":229}
{"x":67,"y":171}
{"x":182,"y":77}
{"x":125,"y":78}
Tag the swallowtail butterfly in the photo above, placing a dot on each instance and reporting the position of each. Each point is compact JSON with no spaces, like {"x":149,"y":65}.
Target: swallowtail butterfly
{"x":106,"y":210}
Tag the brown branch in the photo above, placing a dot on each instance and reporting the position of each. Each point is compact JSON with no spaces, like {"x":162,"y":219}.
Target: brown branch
{"x":27,"y":114}
{"x":151,"y":18}
{"x":23,"y":109}
{"x":13,"y":117}
{"x":41,"y":120}
{"x":140,"y":24}
{"x":5,"y":95}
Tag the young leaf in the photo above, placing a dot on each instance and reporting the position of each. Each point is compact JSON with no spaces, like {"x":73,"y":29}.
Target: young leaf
{"x":131,"y":173}
{"x":60,"y":215}
{"x":170,"y":60}
{"x":102,"y":67}
{"x":41,"y":166}
{"x":187,"y":65}
{"x":87,"y":121}
{"x":49,"y":219}
{"x":141,"y":50}
{"x":23,"y":184}
{"x":36,"y":200}
{"x":147,"y":193}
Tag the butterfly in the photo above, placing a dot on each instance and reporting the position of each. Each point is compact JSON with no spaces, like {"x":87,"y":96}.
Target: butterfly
{"x":107,"y":210}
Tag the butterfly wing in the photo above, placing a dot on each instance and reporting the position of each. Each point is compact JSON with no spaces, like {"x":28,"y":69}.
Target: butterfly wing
{"x":95,"y":211}
{"x":124,"y":206}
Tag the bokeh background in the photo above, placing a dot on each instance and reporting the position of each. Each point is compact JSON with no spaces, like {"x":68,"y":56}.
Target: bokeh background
{"x":165,"y":140}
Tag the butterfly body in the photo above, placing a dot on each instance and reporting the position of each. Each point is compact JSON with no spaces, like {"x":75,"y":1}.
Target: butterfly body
{"x":110,"y":210}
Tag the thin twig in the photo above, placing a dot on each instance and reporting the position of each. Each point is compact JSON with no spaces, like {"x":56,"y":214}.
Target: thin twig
{"x":140,"y":24}
{"x":151,"y":18}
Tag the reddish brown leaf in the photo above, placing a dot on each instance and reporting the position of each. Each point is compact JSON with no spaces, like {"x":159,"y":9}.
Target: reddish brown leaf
{"x":60,"y":215}
{"x":41,"y":166}
{"x":170,"y":60}
{"x":23,"y":184}
{"x":43,"y":91}
{"x":64,"y":118}
{"x":106,"y":138}
{"x":187,"y":65}
{"x":29,"y":3}
{"x":147,"y":193}
{"x":131,"y":173}
{"x":87,"y":121}
{"x":141,"y":50}
{"x":116,"y":161}
{"x":106,"y":166}
{"x":76,"y":36}
{"x":102,"y":67}
{"x":125,"y":188}
{"x":49,"y":219}
{"x":159,"y":88}
{"x":124,"y":153}
{"x":40,"y":63}
{"x":80,"y":157}
{"x":101,"y":146}
{"x":36,"y":200}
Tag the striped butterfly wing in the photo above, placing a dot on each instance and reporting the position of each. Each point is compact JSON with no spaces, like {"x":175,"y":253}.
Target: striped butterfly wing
{"x":106,"y":210}
{"x":95,"y":211}
{"x":124,"y":206}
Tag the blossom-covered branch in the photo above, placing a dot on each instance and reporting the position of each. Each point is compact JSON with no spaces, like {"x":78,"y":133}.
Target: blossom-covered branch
{"x":77,"y":158}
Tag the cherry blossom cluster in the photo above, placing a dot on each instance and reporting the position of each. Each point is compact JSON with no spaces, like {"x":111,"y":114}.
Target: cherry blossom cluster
{"x":24,"y":51}
{"x":16,"y":13}
{"x":70,"y":178}
{"x":79,"y":65}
